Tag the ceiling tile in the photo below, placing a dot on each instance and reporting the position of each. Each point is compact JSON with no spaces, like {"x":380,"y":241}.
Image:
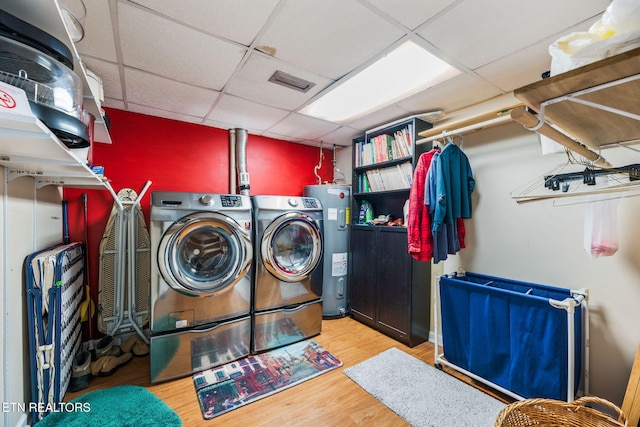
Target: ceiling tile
{"x":413,"y":12}
{"x":506,"y":26}
{"x":237,"y":20}
{"x":526,"y":65}
{"x":150,"y":111}
{"x":241,"y":113}
{"x":167,"y":95}
{"x":222,"y":125}
{"x":329,"y":37}
{"x":463,"y":90}
{"x":282,"y":137}
{"x":252,"y":82}
{"x":190,"y":61}
{"x":118,"y":104}
{"x":342,"y":137}
{"x":98,"y":40}
{"x":171,"y":50}
{"x":380,"y":117}
{"x":303,"y":127}
{"x":518,"y":69}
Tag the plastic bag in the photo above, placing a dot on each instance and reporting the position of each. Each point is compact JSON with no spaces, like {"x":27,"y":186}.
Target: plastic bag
{"x":601,"y":226}
{"x":620,"y":17}
{"x":616,"y":32}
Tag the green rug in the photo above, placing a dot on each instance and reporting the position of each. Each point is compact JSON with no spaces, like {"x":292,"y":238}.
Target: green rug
{"x":238,"y":383}
{"x":120,"y":406}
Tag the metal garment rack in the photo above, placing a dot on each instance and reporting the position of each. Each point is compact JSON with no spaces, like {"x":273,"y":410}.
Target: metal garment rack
{"x":569,"y":304}
{"x":126,"y":262}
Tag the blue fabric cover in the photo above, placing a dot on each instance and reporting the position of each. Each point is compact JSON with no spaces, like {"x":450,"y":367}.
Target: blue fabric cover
{"x":507,"y":332}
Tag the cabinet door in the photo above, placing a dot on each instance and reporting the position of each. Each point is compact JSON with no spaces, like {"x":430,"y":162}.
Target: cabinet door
{"x":363,"y":274}
{"x":394,"y":283}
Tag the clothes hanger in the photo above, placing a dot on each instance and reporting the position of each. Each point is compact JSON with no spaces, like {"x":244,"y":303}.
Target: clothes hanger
{"x":581,"y":183}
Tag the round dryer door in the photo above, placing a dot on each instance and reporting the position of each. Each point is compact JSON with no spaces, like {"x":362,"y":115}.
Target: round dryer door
{"x":291,"y":246}
{"x":204,"y":253}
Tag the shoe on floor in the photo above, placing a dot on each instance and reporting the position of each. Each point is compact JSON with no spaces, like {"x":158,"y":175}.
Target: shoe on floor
{"x":107,"y":365}
{"x":135,"y":344}
{"x":105,"y":347}
{"x":80,"y":371}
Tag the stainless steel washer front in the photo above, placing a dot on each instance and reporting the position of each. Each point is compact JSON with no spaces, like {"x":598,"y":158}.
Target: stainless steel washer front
{"x":205,"y":253}
{"x":202,"y":254}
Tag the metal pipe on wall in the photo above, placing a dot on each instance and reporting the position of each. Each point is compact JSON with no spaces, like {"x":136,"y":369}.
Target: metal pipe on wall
{"x":241,"y":158}
{"x":232,"y":161}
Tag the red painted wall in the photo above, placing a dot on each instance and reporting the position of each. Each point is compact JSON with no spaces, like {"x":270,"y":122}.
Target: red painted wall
{"x":178,"y":156}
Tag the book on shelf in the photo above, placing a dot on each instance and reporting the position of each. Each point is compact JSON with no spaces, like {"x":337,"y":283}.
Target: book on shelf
{"x":384,"y":147}
{"x":397,"y":177}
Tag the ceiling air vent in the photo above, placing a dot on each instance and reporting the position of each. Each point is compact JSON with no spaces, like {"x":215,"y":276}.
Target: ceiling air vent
{"x":292,"y":82}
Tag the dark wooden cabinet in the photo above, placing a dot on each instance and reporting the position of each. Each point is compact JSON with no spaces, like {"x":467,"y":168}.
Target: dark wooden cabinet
{"x":363,"y":282}
{"x":390,"y":291}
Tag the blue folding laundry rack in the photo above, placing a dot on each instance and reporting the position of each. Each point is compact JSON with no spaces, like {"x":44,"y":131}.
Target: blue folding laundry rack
{"x":54,"y":283}
{"x":524,"y":339}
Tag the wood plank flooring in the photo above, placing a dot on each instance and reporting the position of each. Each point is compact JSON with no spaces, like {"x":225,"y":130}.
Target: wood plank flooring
{"x":331,"y":399}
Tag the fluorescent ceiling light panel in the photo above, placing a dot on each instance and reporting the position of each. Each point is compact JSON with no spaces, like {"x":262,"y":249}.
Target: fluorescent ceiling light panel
{"x":403,"y":72}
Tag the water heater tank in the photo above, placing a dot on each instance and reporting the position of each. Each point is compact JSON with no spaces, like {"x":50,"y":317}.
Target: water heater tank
{"x":335,"y":200}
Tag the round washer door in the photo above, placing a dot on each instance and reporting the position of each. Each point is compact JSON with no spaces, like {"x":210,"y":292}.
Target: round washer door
{"x":204,"y":254}
{"x":291,"y":246}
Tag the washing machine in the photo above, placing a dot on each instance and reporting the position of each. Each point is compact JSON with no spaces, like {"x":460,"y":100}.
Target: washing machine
{"x":335,"y":200}
{"x":287,"y":298}
{"x":201,"y":281}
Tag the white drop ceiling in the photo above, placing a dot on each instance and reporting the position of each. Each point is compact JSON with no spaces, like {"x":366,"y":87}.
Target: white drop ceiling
{"x":209,"y":61}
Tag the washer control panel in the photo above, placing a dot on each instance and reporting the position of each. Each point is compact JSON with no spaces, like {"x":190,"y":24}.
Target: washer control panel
{"x":310,"y":203}
{"x":231,"y":201}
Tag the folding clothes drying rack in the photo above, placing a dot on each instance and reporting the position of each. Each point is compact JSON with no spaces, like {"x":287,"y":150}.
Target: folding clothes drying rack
{"x":513,"y":336}
{"x":54,"y":283}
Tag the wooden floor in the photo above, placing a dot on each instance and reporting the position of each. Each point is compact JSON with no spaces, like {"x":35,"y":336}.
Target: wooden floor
{"x":331,"y":399}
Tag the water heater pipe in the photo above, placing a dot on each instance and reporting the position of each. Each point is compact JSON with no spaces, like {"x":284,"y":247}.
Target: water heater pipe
{"x":232,"y":161}
{"x":319,"y":165}
{"x":241,"y":158}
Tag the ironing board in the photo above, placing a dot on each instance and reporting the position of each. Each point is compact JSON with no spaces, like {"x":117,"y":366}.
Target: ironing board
{"x":120,"y":267}
{"x":54,"y":284}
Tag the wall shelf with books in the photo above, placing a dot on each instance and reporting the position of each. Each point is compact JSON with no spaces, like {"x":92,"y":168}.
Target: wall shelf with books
{"x":383,"y":162}
{"x":388,"y":176}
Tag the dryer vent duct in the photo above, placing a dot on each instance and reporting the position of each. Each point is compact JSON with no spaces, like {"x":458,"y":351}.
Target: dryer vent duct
{"x":232,"y":162}
{"x":241,"y":159}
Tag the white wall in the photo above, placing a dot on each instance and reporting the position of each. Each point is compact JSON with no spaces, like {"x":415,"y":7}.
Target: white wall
{"x":343,"y":164}
{"x":542,"y":243}
{"x":31,"y":220}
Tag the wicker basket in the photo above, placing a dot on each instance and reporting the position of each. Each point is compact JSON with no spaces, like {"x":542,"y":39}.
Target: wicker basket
{"x":556,"y":413}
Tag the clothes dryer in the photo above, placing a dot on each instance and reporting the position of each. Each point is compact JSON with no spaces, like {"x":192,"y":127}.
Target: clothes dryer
{"x":287,"y":297}
{"x":201,"y":281}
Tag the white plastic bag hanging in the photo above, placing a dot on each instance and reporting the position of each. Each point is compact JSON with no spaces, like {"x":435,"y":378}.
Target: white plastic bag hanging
{"x":617,"y":31}
{"x":601,"y":226}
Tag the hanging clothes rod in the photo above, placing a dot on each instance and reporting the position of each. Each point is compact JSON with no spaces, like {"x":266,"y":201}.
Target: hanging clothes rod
{"x":531,"y":122}
{"x":465,"y":129}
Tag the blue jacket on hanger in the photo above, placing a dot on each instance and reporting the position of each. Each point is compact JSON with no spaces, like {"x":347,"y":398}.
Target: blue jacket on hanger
{"x":454,"y":185}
